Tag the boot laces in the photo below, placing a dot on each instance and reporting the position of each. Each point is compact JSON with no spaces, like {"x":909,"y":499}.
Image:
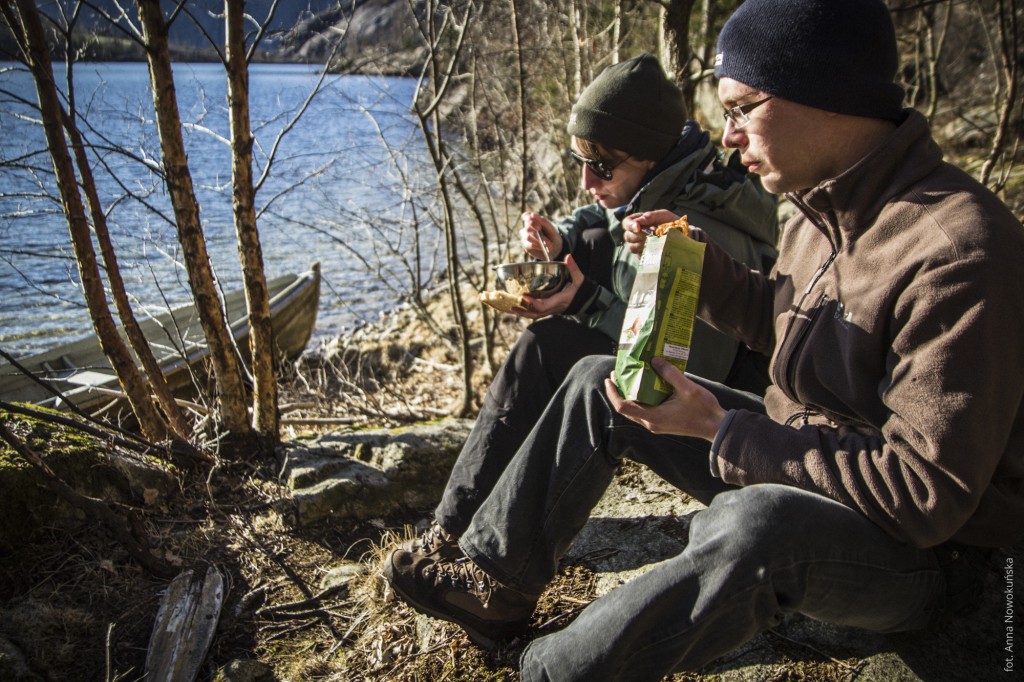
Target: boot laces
{"x":434,"y":537}
{"x":466,"y":574}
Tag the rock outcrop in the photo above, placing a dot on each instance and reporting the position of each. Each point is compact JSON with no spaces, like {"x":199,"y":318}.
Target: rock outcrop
{"x":28,"y":504}
{"x":367,"y":36}
{"x":370,"y":474}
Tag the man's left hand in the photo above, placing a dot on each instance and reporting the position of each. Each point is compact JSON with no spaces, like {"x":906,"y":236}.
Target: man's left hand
{"x":557,"y":303}
{"x":691,"y":410}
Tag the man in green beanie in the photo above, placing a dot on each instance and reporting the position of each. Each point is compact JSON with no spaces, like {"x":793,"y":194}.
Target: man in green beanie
{"x":638,"y":152}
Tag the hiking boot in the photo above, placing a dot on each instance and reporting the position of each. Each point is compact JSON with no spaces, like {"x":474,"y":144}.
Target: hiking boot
{"x":458,"y":591}
{"x":435,"y":542}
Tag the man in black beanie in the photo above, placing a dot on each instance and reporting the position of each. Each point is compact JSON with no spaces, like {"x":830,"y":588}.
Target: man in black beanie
{"x":886,"y":460}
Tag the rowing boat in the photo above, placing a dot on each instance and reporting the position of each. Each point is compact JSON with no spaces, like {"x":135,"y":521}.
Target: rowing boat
{"x":81,"y":373}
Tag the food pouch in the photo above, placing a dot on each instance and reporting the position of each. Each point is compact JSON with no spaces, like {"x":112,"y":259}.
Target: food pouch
{"x":660,"y":313}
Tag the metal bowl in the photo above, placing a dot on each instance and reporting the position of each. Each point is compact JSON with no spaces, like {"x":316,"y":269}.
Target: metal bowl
{"x":534,"y":278}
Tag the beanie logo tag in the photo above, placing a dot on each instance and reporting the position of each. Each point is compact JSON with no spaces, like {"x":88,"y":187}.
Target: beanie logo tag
{"x":572,"y":118}
{"x":718,"y":59}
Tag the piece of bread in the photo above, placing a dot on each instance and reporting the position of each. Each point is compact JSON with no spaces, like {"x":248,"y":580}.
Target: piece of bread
{"x":678,"y":224}
{"x":502,"y":301}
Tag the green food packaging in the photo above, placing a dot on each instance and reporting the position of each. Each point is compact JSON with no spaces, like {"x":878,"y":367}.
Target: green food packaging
{"x":660,"y":314}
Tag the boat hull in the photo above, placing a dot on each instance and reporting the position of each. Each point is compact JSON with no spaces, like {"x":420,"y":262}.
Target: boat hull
{"x":81,"y":373}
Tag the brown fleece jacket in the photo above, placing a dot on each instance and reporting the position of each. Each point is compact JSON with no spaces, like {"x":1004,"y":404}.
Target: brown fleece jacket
{"x":895,"y":318}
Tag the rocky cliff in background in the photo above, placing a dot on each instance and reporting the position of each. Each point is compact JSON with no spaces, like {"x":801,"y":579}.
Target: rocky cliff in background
{"x":364,"y":36}
{"x":350,"y":36}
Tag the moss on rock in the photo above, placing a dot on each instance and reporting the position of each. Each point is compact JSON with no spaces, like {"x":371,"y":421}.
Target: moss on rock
{"x":91,"y":468}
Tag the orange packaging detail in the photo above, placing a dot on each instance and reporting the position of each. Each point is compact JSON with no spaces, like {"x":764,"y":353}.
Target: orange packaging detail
{"x":677,"y":224}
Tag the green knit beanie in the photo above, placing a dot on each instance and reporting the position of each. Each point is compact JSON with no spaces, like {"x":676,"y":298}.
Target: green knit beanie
{"x":631,"y":106}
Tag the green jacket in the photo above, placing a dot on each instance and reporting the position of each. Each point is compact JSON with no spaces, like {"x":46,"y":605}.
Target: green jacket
{"x":729,"y":205}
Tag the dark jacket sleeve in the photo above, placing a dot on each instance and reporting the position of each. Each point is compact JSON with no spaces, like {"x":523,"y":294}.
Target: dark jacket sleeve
{"x":735,"y":299}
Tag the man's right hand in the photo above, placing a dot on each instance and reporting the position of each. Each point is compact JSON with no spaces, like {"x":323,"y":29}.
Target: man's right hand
{"x":637,"y":227}
{"x":535,"y":228}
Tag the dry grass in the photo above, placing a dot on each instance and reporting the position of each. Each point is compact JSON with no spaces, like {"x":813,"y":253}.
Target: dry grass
{"x":75,"y":603}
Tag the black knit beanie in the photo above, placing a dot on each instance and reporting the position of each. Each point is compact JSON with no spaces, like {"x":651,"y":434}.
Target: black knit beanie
{"x":631,"y":106}
{"x":836,"y":55}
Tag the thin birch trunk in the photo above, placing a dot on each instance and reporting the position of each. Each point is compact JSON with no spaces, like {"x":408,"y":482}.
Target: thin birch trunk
{"x":265,"y":417}
{"x":33,"y":43}
{"x":136,"y":337}
{"x":517,"y":46}
{"x":432,"y":128}
{"x":1009,"y":54}
{"x":676,"y":24}
{"x":577,"y":49}
{"x":617,"y":33}
{"x":232,"y":413}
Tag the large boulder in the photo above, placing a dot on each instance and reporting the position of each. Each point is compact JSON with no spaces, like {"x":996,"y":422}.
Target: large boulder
{"x":373,"y":473}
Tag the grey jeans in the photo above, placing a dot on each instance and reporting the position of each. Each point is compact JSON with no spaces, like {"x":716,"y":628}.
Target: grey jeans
{"x":538,"y":362}
{"x":752,"y":555}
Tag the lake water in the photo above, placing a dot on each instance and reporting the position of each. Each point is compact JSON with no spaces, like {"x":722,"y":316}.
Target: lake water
{"x":342,"y":179}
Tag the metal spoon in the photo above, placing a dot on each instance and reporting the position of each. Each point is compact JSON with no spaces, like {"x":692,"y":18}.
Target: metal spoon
{"x":543,"y":245}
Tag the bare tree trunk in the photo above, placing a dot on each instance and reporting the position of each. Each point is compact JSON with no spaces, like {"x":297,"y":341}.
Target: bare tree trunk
{"x":617,"y":33}
{"x":524,"y":171}
{"x":1009,"y":53}
{"x":265,"y":418}
{"x":33,"y":43}
{"x":577,"y":49}
{"x":935,"y":55}
{"x":676,"y":49}
{"x":227,"y":370}
{"x":137,"y":339}
{"x":707,"y":22}
{"x":430,"y":122}
{"x":928,"y":42}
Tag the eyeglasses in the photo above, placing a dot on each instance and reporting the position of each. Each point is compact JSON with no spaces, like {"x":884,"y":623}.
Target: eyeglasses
{"x":738,"y":116}
{"x":599,"y":167}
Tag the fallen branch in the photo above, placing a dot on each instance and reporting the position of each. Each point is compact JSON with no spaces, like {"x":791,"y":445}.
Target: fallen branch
{"x":321,"y":421}
{"x":291,"y":629}
{"x":185,"y":625}
{"x":431,"y":364}
{"x":285,"y":616}
{"x":297,"y":580}
{"x":315,"y":601}
{"x":178,"y":451}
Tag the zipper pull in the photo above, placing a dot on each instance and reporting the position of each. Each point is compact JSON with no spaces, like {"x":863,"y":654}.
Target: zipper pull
{"x":820,"y":272}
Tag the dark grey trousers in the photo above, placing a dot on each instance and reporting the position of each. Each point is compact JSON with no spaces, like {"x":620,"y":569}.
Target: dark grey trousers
{"x":753,"y":554}
{"x":538,"y":362}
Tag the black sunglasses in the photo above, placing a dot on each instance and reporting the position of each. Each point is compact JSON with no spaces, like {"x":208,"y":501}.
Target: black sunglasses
{"x":600,"y":168}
